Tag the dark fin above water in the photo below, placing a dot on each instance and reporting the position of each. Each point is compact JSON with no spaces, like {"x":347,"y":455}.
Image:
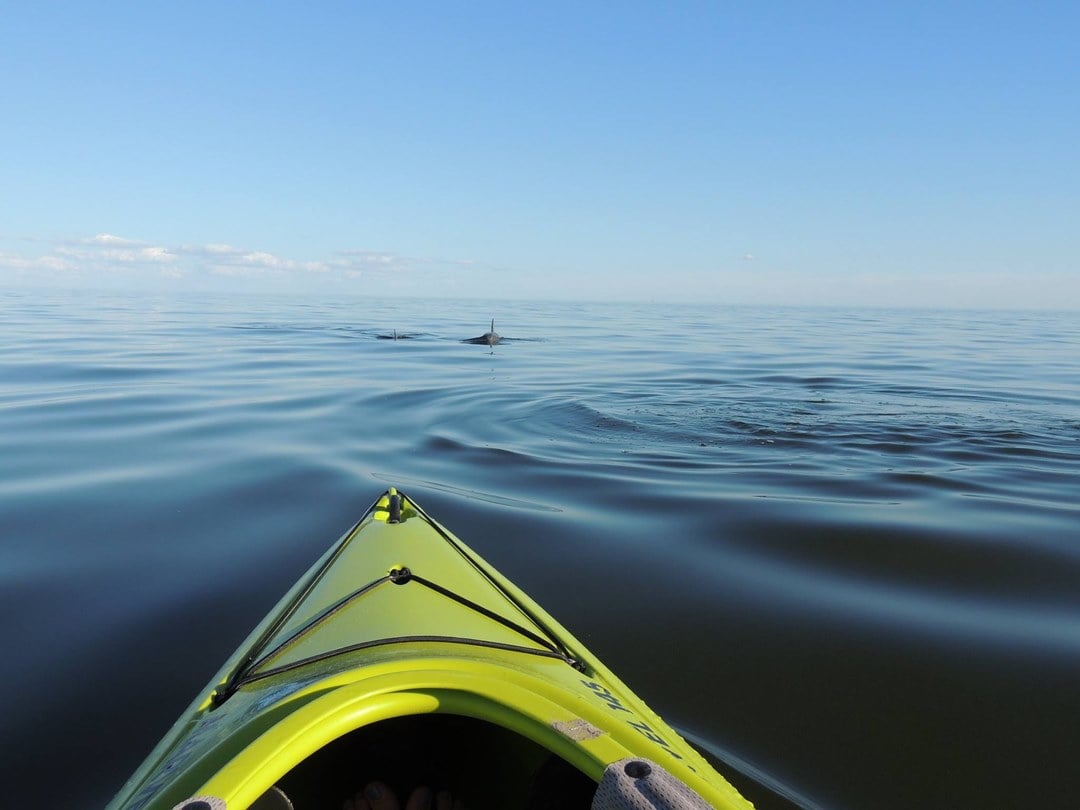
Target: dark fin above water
{"x":486,"y":339}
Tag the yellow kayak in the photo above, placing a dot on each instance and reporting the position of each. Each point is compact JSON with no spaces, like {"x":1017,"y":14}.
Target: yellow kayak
{"x":403,"y":656}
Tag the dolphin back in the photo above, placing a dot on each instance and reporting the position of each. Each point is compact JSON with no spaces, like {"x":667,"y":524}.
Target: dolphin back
{"x":487,"y":339}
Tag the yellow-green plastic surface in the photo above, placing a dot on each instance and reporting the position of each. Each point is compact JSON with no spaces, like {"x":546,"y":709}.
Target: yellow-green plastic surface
{"x":237,"y":750}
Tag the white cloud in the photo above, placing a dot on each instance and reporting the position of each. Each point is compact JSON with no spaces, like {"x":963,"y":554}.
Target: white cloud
{"x":115,"y":259}
{"x":110,"y":239}
{"x":54,"y":263}
{"x":23,"y":265}
{"x":235,"y":270}
{"x":106,"y":250}
{"x":370,"y":256}
{"x":374,"y":260}
{"x":393,"y":262}
{"x":260,"y":259}
{"x":214,"y":250}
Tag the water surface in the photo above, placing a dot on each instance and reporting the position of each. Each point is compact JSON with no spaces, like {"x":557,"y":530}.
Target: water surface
{"x":838,"y":548}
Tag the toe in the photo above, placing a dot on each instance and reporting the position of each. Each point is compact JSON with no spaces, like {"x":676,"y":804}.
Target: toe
{"x":380,"y":797}
{"x":420,"y":799}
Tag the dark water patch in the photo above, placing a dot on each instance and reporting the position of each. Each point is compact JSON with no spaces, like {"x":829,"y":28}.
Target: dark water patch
{"x":467,"y":452}
{"x":75,"y":373}
{"x":406,"y":398}
{"x":950,"y":562}
{"x":915,"y":482}
{"x":277,"y":328}
{"x":824,"y":383}
{"x":126,"y":651}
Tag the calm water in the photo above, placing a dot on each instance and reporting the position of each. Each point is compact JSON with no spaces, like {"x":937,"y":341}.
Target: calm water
{"x":839,"y":548}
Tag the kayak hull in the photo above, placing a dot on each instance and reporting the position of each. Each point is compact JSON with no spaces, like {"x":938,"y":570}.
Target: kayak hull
{"x":402,"y":629}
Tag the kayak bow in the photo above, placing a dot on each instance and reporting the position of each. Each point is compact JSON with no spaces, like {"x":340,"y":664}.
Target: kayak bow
{"x":402,"y":655}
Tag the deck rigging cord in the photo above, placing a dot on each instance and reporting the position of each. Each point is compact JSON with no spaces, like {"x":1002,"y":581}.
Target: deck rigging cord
{"x":251,"y":668}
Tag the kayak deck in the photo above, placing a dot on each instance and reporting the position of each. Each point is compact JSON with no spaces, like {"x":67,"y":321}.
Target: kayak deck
{"x":402,"y":655}
{"x":450,"y":600}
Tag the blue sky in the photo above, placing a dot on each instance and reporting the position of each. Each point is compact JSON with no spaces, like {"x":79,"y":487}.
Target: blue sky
{"x":921,"y":154}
